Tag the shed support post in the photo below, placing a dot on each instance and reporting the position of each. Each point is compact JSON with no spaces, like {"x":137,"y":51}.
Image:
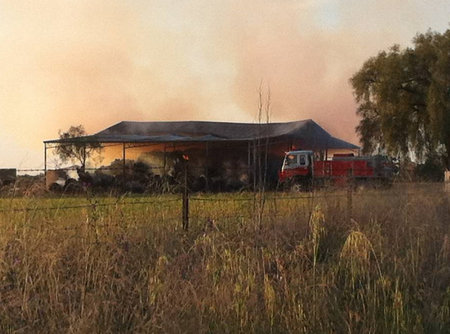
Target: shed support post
{"x":45,"y":160}
{"x":248,"y":155}
{"x":84,"y":158}
{"x":185,"y":198}
{"x":165,"y":160}
{"x":123,"y":161}
{"x":254,"y":165}
{"x":249,"y":161}
{"x":207,"y":167}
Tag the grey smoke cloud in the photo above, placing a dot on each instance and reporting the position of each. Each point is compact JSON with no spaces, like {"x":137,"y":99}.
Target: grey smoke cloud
{"x":99,"y":62}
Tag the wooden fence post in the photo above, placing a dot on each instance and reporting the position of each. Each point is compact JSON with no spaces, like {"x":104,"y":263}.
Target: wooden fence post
{"x":447,"y":181}
{"x":349,"y":201}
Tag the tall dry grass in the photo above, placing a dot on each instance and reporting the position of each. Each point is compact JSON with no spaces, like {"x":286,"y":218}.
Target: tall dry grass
{"x":305,"y":269}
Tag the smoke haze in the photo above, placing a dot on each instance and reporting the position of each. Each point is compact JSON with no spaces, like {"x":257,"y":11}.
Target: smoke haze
{"x":97,"y":62}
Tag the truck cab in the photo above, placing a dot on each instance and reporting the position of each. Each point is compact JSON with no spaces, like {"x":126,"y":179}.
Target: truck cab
{"x":297,"y":164}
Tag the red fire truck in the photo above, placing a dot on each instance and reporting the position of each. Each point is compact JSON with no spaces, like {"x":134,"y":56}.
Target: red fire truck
{"x":302,"y":169}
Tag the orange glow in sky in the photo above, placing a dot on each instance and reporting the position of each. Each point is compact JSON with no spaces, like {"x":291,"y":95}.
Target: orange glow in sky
{"x":98,"y":62}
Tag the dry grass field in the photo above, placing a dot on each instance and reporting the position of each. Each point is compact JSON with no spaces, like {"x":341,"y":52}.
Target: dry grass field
{"x":100,"y":265}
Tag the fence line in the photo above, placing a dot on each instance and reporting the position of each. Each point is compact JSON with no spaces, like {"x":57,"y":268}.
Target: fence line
{"x":94,"y":205}
{"x":215,"y":199}
{"x":198,"y":199}
{"x":86,"y":206}
{"x":271,"y":198}
{"x":259,"y":199}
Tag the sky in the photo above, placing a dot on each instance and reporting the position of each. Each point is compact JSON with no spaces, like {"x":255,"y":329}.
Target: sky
{"x":98,"y":62}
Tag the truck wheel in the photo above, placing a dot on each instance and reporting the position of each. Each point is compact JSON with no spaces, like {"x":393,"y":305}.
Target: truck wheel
{"x":296,"y":188}
{"x":301,"y":185}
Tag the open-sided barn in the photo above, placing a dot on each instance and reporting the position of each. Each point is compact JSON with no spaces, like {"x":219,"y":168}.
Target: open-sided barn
{"x":232,"y":152}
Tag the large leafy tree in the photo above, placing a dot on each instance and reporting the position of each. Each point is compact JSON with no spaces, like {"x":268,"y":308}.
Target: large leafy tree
{"x":403,"y":98}
{"x":76,"y":149}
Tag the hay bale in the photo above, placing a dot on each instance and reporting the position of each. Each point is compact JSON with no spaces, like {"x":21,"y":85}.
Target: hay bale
{"x":7,"y":176}
{"x":55,"y":176}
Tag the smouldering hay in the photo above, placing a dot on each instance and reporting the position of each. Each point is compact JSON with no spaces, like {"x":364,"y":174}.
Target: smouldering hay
{"x":305,"y":269}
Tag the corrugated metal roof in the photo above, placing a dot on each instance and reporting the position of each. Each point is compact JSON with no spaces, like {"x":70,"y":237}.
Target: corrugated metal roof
{"x":308,"y":132}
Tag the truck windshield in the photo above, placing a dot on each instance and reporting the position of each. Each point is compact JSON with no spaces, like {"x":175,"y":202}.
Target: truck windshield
{"x":290,"y":160}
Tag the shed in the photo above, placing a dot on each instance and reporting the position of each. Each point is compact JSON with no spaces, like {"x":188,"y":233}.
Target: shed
{"x":214,"y":146}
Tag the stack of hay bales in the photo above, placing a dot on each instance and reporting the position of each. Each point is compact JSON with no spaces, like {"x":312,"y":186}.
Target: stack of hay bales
{"x":7,"y":176}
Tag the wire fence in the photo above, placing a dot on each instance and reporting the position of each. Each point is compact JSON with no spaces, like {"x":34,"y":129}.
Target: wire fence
{"x":186,"y":207}
{"x":92,"y":205}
